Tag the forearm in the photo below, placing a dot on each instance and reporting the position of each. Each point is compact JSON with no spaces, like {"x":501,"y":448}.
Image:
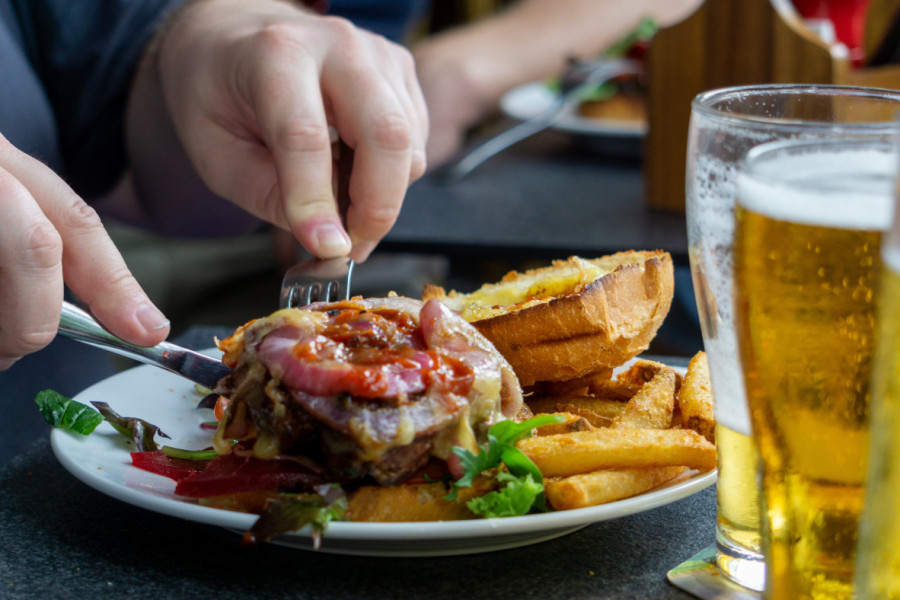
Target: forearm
{"x":534,"y":38}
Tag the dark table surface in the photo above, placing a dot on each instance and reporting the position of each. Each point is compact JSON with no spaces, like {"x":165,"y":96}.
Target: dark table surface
{"x":62,"y":539}
{"x":546,"y":196}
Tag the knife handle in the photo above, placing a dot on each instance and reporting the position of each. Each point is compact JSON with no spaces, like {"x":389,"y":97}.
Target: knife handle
{"x":80,"y":326}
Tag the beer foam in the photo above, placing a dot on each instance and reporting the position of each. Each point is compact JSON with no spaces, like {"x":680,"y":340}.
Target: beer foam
{"x":847,"y":188}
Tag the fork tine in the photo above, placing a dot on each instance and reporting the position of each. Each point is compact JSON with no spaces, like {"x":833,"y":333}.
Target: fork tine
{"x":315,"y":281}
{"x":312,"y":293}
{"x":333,"y":293}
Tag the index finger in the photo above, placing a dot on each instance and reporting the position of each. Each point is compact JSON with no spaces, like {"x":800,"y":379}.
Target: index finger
{"x":31,"y":280}
{"x":292,"y":121}
{"x":92,"y":266}
{"x":376,"y":125}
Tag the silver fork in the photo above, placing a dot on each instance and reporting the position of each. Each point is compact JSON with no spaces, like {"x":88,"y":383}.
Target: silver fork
{"x":323,"y":280}
{"x":316,"y":280}
{"x":578,"y":77}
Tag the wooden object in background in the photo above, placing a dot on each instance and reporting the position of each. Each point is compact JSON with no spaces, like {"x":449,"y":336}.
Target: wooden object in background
{"x":723,"y":43}
{"x":880,"y":18}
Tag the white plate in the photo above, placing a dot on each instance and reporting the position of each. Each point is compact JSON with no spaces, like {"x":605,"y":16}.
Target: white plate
{"x":532,"y":99}
{"x":102,"y":461}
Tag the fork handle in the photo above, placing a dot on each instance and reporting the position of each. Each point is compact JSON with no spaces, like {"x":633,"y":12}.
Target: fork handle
{"x":598,"y":74}
{"x":344,"y":167}
{"x":500,"y":142}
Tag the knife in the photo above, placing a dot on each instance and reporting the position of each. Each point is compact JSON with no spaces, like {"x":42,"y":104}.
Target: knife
{"x":80,"y":326}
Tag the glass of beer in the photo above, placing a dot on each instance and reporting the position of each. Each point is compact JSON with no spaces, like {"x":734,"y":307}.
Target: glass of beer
{"x":809,"y":220}
{"x":725,"y":125}
{"x":878,"y":552}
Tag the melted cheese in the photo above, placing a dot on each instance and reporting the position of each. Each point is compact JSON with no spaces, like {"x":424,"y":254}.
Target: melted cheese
{"x":522,"y":292}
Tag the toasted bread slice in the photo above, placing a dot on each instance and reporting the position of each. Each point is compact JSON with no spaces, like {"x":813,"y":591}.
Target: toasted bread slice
{"x":573,"y":318}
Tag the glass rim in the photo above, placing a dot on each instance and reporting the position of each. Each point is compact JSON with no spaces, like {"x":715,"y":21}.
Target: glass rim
{"x":703,"y":104}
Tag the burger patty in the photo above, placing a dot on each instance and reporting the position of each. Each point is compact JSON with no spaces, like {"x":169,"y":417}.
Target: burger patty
{"x":372,"y":390}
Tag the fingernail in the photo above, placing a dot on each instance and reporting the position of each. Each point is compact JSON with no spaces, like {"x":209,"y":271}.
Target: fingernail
{"x":332,"y":240}
{"x":150,"y":317}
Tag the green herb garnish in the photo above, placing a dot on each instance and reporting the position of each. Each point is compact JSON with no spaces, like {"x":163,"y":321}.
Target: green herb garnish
{"x":522,"y":485}
{"x":189,"y":454}
{"x":67,"y":414}
{"x":644,"y":32}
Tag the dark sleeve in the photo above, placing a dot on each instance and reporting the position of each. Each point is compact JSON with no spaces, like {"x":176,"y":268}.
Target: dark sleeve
{"x":85,"y":53}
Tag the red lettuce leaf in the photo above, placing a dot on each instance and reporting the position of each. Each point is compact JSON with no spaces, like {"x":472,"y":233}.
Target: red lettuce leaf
{"x":231,"y":474}
{"x":157,"y":461}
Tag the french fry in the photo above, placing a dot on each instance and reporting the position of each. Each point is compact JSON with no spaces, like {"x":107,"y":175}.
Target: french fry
{"x":573,"y":422}
{"x":652,"y":406}
{"x":600,"y":487}
{"x":639,"y":373}
{"x":607,"y":448}
{"x":614,"y":389}
{"x":646,"y":427}
{"x":605,"y":408}
{"x":578,"y":385}
{"x":596,"y":419}
{"x":643,"y":371}
{"x":695,"y":399}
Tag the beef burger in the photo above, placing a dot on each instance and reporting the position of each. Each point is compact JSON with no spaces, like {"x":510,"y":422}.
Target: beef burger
{"x":368,"y":388}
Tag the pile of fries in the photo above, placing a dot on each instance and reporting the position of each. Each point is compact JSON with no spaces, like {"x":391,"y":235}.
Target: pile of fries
{"x":625,"y":435}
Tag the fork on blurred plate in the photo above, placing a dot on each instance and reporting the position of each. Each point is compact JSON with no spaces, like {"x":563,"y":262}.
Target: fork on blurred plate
{"x":578,"y":77}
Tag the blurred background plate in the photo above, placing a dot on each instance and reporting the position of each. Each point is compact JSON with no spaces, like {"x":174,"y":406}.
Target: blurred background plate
{"x":609,"y":136}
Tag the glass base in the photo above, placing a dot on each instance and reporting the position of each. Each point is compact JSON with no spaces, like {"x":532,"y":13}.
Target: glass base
{"x":742,"y":566}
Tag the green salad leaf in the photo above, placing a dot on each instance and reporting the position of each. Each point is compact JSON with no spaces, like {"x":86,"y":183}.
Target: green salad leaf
{"x":67,"y":414}
{"x":521,"y":483}
{"x":142,"y":432}
{"x":516,"y":497}
{"x":290,"y":512}
{"x":643,"y":32}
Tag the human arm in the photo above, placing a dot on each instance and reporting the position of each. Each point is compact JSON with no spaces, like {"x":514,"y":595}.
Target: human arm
{"x":239,"y":96}
{"x":465,"y":71}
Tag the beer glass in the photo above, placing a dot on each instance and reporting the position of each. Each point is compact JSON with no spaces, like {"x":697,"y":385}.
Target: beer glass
{"x":809,"y":220}
{"x":878,"y":553}
{"x":724,"y":125}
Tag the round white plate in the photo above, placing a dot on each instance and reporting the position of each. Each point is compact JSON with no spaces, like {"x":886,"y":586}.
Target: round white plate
{"x":532,"y":99}
{"x":102,"y":461}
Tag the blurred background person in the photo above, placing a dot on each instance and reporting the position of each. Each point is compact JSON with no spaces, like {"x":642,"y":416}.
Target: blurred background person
{"x":465,"y":70}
